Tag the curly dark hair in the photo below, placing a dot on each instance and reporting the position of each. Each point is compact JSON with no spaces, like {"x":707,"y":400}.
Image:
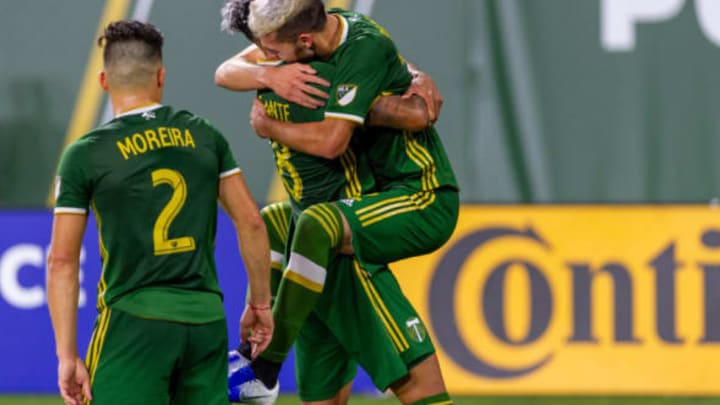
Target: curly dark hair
{"x":235,"y":18}
{"x":120,"y":33}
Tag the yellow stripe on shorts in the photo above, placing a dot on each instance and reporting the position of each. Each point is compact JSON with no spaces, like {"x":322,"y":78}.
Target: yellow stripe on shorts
{"x":400,"y":343}
{"x":99,"y":342}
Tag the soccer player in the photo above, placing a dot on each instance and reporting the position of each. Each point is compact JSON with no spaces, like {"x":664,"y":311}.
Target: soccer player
{"x":152,"y":176}
{"x":416,"y":209}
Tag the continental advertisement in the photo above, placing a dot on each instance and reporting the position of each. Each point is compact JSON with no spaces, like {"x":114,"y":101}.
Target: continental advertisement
{"x":569,"y":299}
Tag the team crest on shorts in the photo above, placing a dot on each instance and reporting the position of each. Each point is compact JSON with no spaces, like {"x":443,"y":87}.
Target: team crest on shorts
{"x":346,"y":94}
{"x":416,"y":329}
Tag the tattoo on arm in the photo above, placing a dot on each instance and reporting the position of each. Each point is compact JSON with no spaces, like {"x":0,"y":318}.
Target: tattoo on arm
{"x":396,"y":112}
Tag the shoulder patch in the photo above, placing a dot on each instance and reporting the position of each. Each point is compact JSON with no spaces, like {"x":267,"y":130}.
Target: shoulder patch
{"x":346,"y":93}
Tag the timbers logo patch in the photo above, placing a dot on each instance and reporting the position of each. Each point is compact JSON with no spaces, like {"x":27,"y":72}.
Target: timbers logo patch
{"x":415,"y":329}
{"x":345,"y":94}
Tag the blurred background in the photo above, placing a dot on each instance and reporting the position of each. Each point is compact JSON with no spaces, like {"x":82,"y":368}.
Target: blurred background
{"x":584,"y":135}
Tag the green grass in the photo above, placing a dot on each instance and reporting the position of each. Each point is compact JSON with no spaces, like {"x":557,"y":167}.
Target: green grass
{"x":358,"y":400}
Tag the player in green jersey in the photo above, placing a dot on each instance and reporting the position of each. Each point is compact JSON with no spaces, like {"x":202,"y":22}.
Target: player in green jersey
{"x":416,"y":204}
{"x":152,"y":176}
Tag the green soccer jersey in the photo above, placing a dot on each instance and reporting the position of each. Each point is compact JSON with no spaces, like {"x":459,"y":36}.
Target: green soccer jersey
{"x":368,"y":66}
{"x":151,"y":176}
{"x":310,"y":179}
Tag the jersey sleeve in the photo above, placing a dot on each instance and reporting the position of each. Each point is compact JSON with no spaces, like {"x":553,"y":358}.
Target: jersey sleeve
{"x":360,"y":77}
{"x":73,"y":184}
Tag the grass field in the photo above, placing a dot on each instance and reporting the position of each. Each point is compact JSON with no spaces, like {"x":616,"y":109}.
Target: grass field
{"x":289,"y":400}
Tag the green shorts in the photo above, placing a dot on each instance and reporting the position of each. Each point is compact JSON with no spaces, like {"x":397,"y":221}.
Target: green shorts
{"x":397,"y":224}
{"x":359,"y":320}
{"x":134,"y":360}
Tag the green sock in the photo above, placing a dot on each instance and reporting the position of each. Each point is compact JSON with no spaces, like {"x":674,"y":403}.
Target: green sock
{"x":277,"y":221}
{"x":437,"y":399}
{"x":318,"y":233}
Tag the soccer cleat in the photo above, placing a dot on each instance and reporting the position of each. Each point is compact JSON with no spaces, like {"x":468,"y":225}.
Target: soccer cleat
{"x":236,"y":361}
{"x":244,"y":388}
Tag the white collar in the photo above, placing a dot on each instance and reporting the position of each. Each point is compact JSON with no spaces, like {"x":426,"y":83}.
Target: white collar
{"x":139,"y":110}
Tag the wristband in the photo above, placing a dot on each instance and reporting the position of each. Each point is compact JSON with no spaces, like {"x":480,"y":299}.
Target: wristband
{"x":259,"y":308}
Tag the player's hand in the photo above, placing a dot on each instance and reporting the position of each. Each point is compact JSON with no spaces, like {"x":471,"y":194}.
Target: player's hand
{"x":259,"y":119}
{"x":425,"y":87}
{"x":256,"y":326}
{"x":74,"y":381}
{"x":292,"y":82}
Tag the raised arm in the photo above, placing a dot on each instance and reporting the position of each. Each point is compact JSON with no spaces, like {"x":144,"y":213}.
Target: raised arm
{"x":242,"y":73}
{"x":249,"y":70}
{"x":255,"y":250}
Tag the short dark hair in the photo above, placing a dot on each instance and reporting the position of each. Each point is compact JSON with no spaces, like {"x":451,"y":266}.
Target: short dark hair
{"x":121,"y":33}
{"x":235,"y":18}
{"x":311,"y":18}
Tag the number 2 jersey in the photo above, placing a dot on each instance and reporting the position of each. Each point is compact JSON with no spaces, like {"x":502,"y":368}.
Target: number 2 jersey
{"x":151,"y":176}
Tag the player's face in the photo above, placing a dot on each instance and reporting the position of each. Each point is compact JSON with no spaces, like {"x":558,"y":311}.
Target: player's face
{"x":286,"y":51}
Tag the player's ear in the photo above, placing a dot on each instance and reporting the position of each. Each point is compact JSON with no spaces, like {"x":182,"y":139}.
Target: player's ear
{"x":102,"y":77}
{"x":306,"y":40}
{"x":161,"y":77}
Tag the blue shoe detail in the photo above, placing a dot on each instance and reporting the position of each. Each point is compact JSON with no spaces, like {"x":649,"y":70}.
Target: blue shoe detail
{"x":236,"y":379}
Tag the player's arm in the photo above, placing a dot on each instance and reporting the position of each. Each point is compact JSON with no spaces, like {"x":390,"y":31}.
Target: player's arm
{"x":328,"y":138}
{"x":63,"y":281}
{"x":240,"y":205}
{"x":399,"y":112}
{"x":424,"y":86}
{"x":256,"y":323}
{"x":63,"y":285}
{"x":245,"y":72}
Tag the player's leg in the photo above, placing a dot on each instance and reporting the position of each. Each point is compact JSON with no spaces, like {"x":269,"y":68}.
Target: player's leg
{"x":118,"y":359}
{"x":317,"y":234}
{"x":398,"y":224}
{"x":202,"y":372}
{"x":277,"y":217}
{"x":374,"y":320}
{"x":324,"y":370}
{"x":422,"y":385}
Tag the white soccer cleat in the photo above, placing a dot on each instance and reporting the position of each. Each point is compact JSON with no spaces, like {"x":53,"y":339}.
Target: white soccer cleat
{"x":244,"y":388}
{"x":256,"y":393}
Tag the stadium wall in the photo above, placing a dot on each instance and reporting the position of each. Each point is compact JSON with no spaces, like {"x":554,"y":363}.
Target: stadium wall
{"x":546,"y":101}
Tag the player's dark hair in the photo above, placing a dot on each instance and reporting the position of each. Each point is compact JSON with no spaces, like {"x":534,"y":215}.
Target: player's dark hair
{"x":235,"y":18}
{"x":311,"y":18}
{"x":131,"y":39}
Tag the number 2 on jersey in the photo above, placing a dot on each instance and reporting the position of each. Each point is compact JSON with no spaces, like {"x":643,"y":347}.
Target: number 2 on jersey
{"x":161,"y":244}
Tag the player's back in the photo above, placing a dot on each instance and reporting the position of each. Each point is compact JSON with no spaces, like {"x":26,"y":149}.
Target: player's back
{"x":310,"y":179}
{"x":153,"y":178}
{"x":397,"y":158}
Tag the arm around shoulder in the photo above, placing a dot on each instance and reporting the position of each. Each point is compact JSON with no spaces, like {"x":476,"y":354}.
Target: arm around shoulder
{"x":241,"y":72}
